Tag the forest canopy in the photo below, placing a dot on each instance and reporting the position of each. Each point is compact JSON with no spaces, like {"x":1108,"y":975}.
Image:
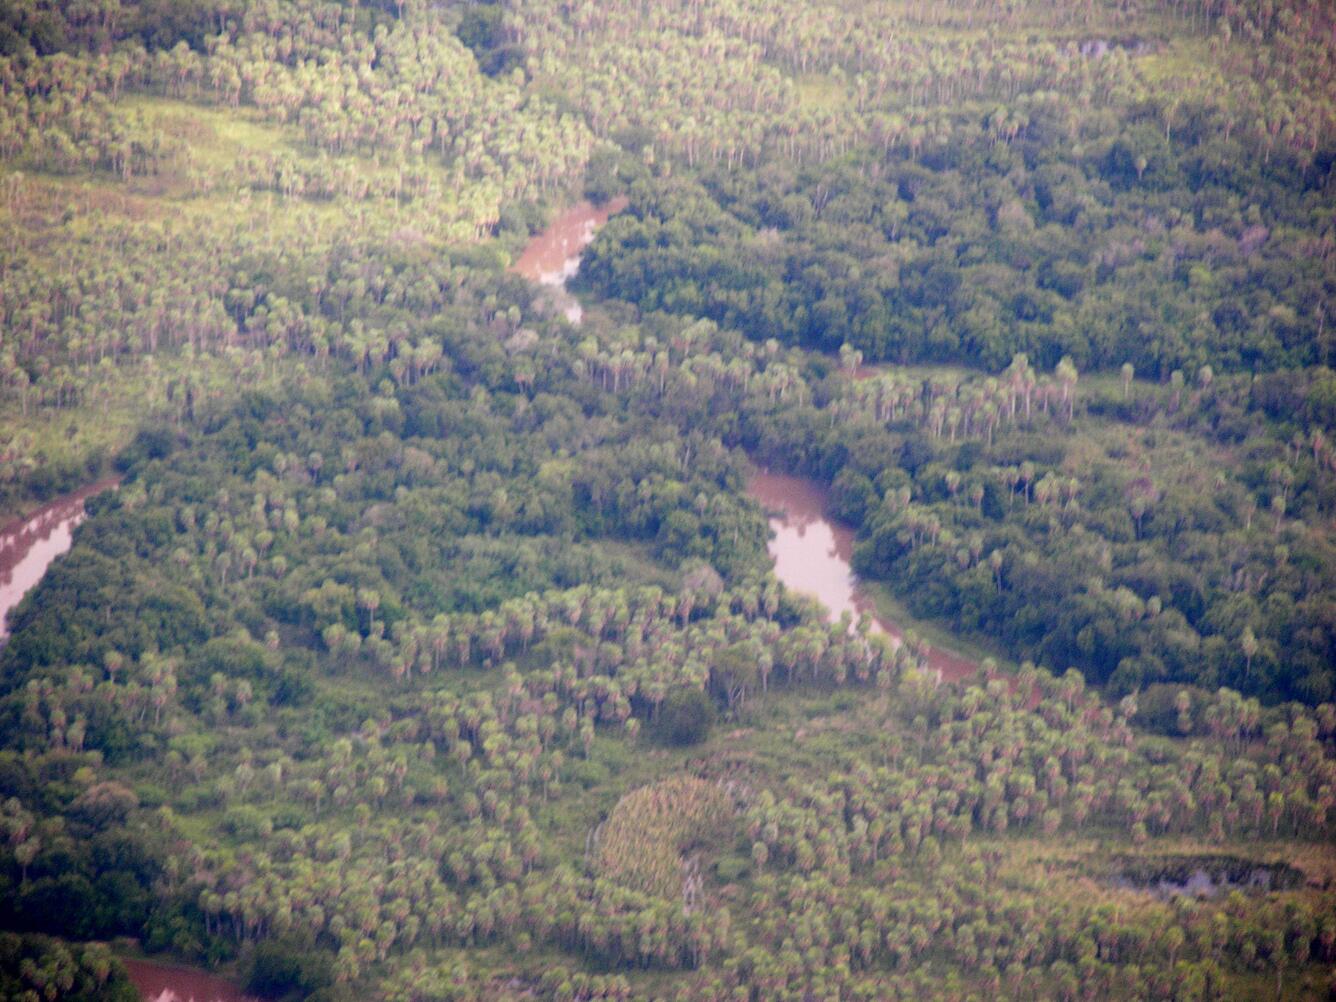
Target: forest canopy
{"x":428,"y":646}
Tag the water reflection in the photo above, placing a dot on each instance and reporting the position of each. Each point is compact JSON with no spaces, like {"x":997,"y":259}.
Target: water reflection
{"x":552,"y":257}
{"x":813,"y":555}
{"x":28,"y":545}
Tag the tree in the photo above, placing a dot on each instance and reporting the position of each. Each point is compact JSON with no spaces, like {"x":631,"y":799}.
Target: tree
{"x":760,"y":854}
{"x":1067,"y":376}
{"x":1249,"y":646}
{"x":684,"y":717}
{"x":735,"y":670}
{"x":850,"y":358}
{"x":369,"y":599}
{"x":24,"y":854}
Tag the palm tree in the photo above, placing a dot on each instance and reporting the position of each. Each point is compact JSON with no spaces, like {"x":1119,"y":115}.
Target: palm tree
{"x":24,"y":854}
{"x":369,"y":599}
{"x":1248,"y":645}
{"x":1067,"y":376}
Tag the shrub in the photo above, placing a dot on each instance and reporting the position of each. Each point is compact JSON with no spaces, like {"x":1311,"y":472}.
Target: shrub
{"x":685,"y":718}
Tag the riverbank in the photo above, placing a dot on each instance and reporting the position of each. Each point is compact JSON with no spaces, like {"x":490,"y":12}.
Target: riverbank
{"x":22,"y":501}
{"x":937,"y":633}
{"x":30,"y":543}
{"x":552,"y":257}
{"x":813,"y":555}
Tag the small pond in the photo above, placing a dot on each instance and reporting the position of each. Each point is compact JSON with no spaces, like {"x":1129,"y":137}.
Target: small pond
{"x":1098,"y":48}
{"x":1203,"y":876}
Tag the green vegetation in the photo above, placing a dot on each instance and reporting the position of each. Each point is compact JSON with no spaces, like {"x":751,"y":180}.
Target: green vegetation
{"x":1047,"y":242}
{"x":1136,"y":532}
{"x":644,"y":840}
{"x":430,"y":650}
{"x":34,"y":967}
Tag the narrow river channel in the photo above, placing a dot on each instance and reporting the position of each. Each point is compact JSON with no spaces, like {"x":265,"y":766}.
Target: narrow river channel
{"x":553,"y":257}
{"x":812,"y":553}
{"x":29,"y":544}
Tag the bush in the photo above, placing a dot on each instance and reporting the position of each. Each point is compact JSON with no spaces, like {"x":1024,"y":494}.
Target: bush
{"x":732,"y":868}
{"x":150,"y":443}
{"x":685,"y":718}
{"x":589,"y":774}
{"x":247,"y":822}
{"x":283,"y":967}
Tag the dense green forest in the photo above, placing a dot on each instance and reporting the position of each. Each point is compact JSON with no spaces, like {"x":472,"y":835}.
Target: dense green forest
{"x":429,"y":647}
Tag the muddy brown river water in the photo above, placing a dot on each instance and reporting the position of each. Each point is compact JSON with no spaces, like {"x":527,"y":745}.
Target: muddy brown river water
{"x":813,"y":555}
{"x":553,"y":257}
{"x":29,"y":544}
{"x":175,"y":983}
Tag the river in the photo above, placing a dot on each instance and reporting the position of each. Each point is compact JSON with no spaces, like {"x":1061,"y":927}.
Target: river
{"x":27,"y":547}
{"x":29,"y":544}
{"x":175,"y":983}
{"x":813,"y":555}
{"x":552,"y":257}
